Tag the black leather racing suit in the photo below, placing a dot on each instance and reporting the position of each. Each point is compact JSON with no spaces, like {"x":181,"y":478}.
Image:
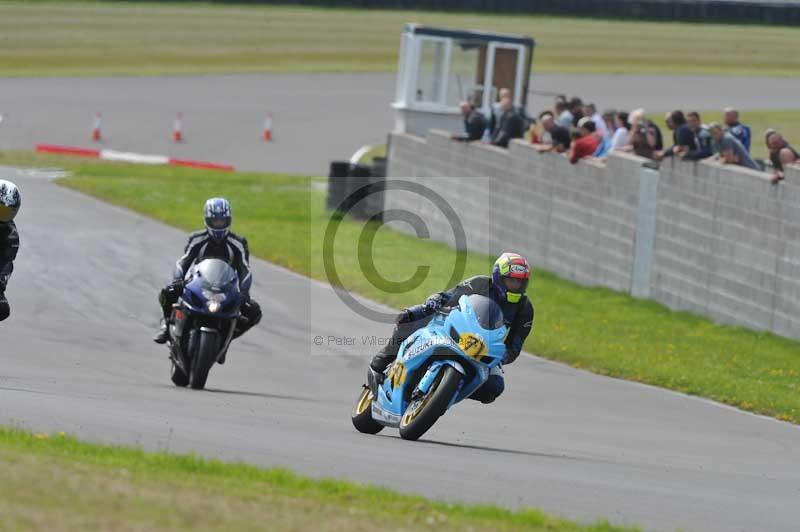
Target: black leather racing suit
{"x":233,"y":250}
{"x":9,"y":244}
{"x":518,"y":318}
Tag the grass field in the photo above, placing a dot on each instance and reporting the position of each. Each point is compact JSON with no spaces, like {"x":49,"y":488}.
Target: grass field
{"x":593,"y":328}
{"x":103,"y":38}
{"x":54,"y":482}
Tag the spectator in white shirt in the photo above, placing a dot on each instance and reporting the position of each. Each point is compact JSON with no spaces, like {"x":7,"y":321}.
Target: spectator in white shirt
{"x":620,"y":138}
{"x":600,"y":125}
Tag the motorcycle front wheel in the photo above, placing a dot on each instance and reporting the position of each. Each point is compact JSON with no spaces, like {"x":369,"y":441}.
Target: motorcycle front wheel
{"x":362,"y":414}
{"x":424,"y":411}
{"x":203,"y":360}
{"x":179,"y":378}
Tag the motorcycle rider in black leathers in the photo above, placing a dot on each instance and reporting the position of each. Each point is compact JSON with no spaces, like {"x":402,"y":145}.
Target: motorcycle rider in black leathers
{"x":10,"y":201}
{"x":218,"y":242}
{"x":506,"y":286}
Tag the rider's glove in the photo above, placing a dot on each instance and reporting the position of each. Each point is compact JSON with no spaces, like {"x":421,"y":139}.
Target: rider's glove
{"x":405,"y":316}
{"x":176,"y":286}
{"x":433,"y":303}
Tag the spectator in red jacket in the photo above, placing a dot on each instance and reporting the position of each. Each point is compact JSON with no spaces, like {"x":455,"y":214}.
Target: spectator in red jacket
{"x":588,"y":142}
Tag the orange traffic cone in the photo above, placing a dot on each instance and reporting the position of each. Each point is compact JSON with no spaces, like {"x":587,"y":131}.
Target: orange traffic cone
{"x":96,"y":136}
{"x":267,"y":134}
{"x":177,"y":129}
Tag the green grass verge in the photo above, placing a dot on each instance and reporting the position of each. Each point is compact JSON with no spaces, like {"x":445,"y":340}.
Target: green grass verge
{"x":55,"y":482}
{"x":593,"y":328}
{"x":108,"y":38}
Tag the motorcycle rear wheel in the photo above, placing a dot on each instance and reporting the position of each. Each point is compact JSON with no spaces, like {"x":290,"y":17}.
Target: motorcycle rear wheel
{"x":362,"y":414}
{"x":203,"y":360}
{"x":423,"y":412}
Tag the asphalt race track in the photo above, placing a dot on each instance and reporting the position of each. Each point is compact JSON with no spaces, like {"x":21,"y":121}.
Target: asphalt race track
{"x":317,"y":117}
{"x":77,"y":357}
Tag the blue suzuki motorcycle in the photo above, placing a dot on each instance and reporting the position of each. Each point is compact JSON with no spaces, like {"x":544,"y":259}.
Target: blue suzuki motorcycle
{"x":203,"y":322}
{"x":436,"y":367}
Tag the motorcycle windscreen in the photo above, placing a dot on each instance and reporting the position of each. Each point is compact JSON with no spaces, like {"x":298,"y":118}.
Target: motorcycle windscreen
{"x":215,"y":274}
{"x":487,"y":312}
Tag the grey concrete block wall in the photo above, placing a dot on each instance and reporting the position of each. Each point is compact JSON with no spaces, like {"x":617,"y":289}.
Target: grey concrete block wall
{"x":726,"y":246}
{"x":717,"y":240}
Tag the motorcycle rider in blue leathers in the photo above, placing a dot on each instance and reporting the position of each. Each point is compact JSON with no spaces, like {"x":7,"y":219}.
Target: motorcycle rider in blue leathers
{"x":215,"y":242}
{"x":506,"y":286}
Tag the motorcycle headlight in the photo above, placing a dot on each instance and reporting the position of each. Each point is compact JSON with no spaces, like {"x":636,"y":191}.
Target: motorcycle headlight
{"x":213,"y":306}
{"x":216,"y":297}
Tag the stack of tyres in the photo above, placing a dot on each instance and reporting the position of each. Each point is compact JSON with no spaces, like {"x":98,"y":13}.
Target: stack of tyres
{"x":379,"y":167}
{"x":337,"y":184}
{"x":358,"y":190}
{"x":349,"y":188}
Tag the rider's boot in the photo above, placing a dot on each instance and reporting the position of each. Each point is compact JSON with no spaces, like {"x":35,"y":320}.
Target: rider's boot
{"x":383,"y":360}
{"x":5,"y":309}
{"x":163,"y":334}
{"x":388,"y":354}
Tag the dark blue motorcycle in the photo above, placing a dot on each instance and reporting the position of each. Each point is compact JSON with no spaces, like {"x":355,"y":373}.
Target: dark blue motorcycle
{"x":203,"y":322}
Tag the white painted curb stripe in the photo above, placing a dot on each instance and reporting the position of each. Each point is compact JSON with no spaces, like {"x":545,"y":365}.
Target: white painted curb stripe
{"x":122,"y":156}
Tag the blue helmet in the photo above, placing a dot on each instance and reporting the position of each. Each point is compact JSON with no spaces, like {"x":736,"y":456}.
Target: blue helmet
{"x":10,"y":201}
{"x":217,"y":214}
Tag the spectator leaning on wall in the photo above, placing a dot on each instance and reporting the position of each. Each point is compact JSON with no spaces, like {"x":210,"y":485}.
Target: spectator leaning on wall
{"x":605,"y":140}
{"x":509,"y":126}
{"x":587,"y":144}
{"x":728,"y":148}
{"x":621,"y":131}
{"x":780,"y":153}
{"x":645,"y":137}
{"x":474,"y":123}
{"x":555,"y":138}
{"x":497,"y":110}
{"x":600,"y":126}
{"x":737,"y":129}
{"x":682,"y":136}
{"x":702,"y":139}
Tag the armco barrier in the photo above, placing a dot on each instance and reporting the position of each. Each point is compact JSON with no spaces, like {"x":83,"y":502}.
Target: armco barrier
{"x":717,"y":240}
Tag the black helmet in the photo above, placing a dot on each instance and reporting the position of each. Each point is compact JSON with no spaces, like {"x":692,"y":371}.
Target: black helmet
{"x":10,"y":201}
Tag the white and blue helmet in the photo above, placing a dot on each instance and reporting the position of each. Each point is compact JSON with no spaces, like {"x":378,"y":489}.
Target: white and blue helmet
{"x":10,"y":201}
{"x":217,"y":214}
